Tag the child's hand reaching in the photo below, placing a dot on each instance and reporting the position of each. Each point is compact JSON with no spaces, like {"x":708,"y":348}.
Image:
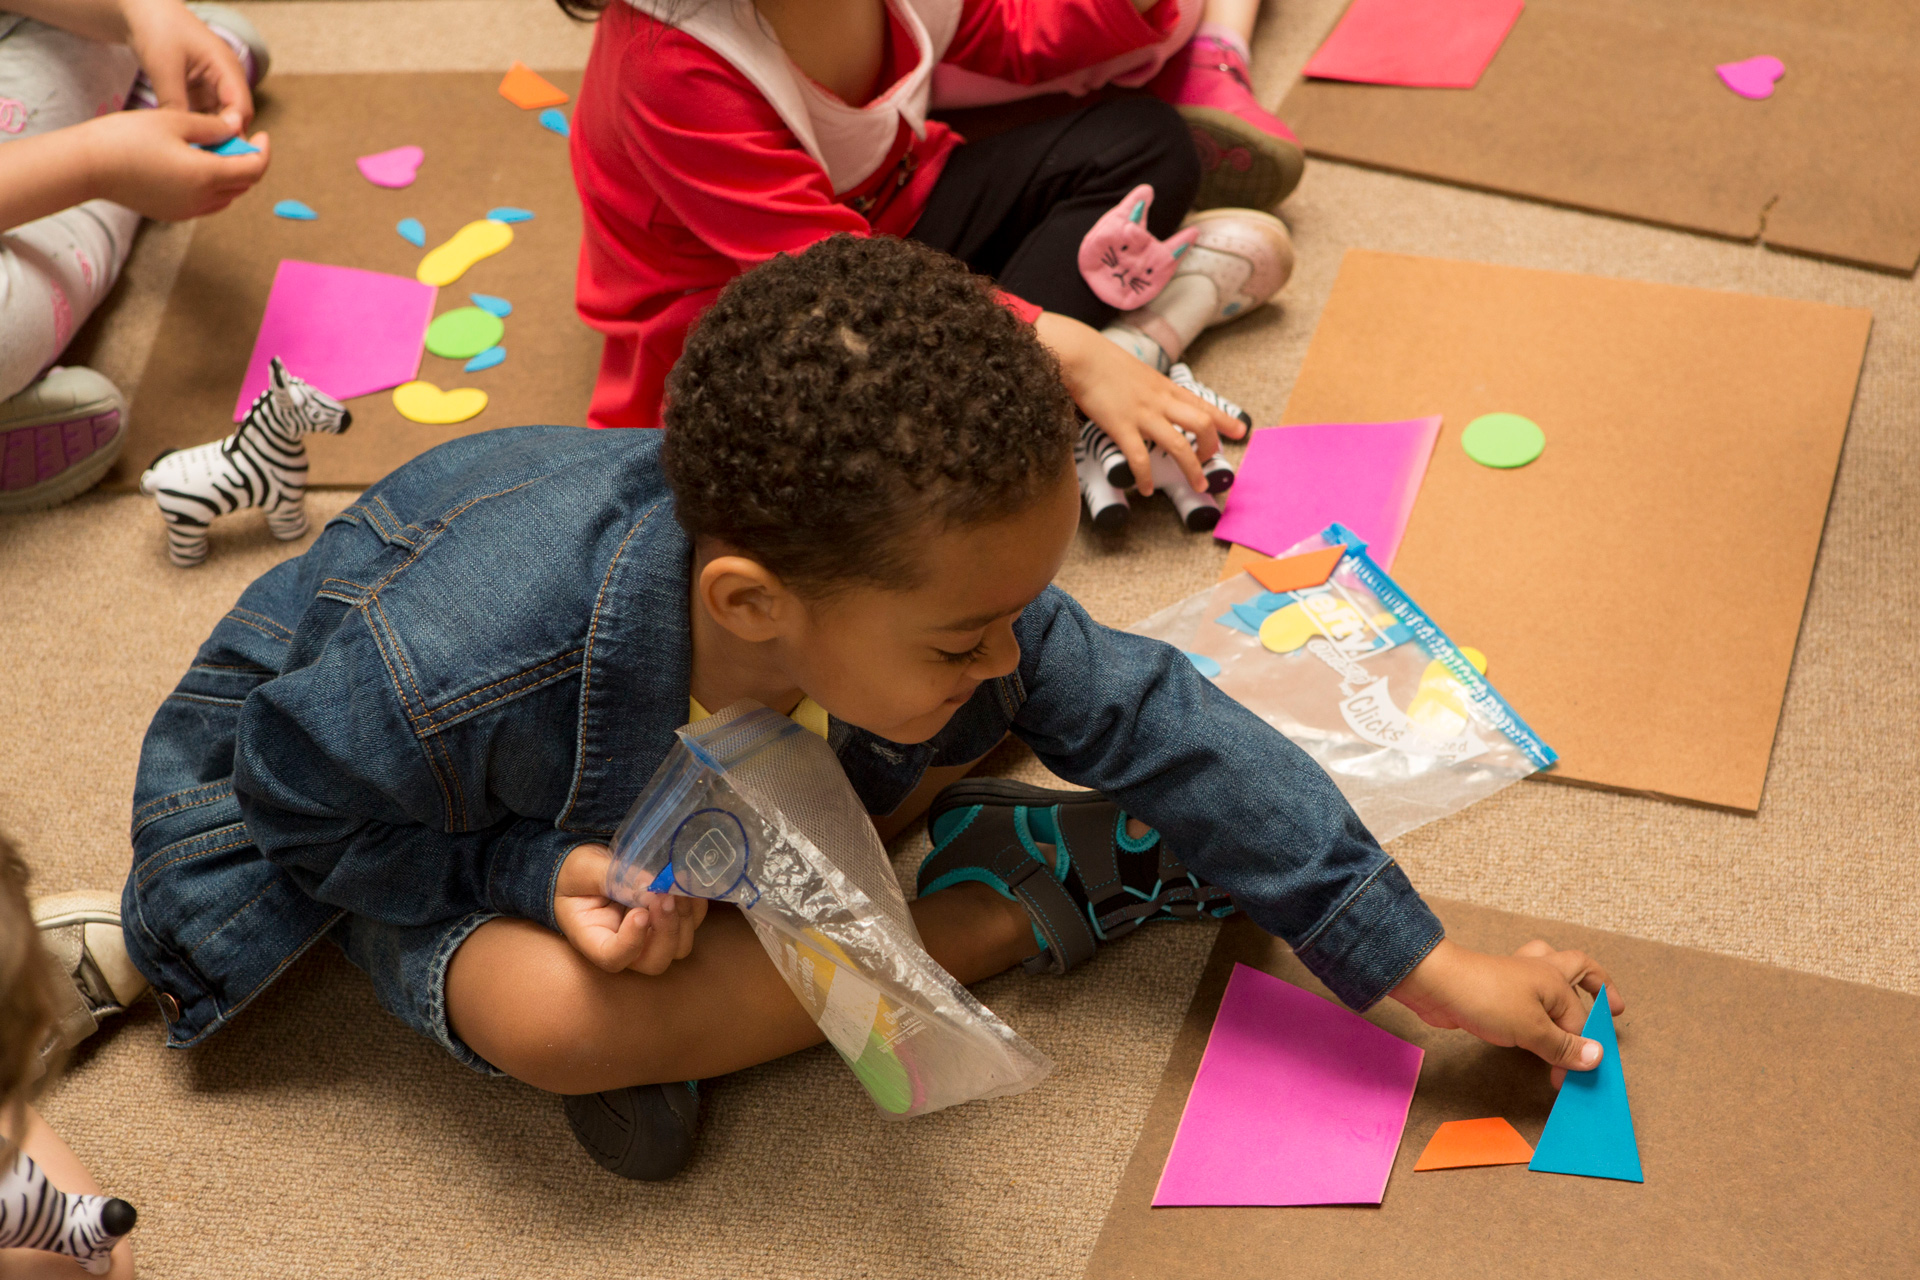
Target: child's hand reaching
{"x":1530,"y":999}
{"x":151,"y":162}
{"x":1132,"y":403}
{"x":646,"y":937}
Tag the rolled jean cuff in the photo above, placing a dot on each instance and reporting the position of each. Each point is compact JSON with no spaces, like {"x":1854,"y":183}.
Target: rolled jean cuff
{"x":524,"y":868}
{"x":1374,"y":938}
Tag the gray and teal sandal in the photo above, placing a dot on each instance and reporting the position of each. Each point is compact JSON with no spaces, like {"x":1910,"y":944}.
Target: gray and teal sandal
{"x":1098,"y":883}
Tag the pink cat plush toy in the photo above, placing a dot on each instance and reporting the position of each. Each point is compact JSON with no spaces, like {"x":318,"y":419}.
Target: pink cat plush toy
{"x":1124,"y":264}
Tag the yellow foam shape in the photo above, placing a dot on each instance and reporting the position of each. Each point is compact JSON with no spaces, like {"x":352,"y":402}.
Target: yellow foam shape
{"x":1477,"y":658}
{"x":424,"y":402}
{"x":448,"y":262}
{"x":1440,"y":703}
{"x":1287,"y":629}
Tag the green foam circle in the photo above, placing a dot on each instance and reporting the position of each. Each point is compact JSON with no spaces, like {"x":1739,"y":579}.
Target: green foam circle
{"x":464,"y":332}
{"x":1503,"y":440}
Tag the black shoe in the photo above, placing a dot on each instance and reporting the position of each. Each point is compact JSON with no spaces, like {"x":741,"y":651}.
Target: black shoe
{"x":645,"y":1132}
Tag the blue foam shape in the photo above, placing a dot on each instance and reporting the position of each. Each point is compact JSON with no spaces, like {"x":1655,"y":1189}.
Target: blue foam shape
{"x":295,"y":210}
{"x":1252,"y":614}
{"x":507,"y":213}
{"x":412,"y":232}
{"x":1590,"y":1131}
{"x":486,"y":359}
{"x":1229,"y":620}
{"x":1203,"y":664}
{"x":491,"y":305}
{"x":555,"y":119}
{"x":234,"y":146}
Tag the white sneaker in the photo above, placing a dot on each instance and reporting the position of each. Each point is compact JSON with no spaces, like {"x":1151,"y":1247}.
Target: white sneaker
{"x":58,"y":438}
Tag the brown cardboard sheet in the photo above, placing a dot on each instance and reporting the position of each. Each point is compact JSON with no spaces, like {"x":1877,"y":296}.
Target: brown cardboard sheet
{"x":1775,"y":1111}
{"x":1614,"y":106}
{"x":481,"y":152}
{"x":1637,"y":589}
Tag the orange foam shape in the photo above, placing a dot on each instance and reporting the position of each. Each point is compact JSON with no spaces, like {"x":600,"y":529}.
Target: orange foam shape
{"x":1296,"y":573}
{"x":529,"y":90}
{"x":1463,"y":1144}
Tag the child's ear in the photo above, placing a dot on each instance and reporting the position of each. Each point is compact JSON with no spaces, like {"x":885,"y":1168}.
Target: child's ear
{"x":745,"y":597}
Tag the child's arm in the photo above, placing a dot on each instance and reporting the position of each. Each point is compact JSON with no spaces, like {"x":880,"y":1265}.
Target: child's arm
{"x":191,"y":68}
{"x":146,"y":160}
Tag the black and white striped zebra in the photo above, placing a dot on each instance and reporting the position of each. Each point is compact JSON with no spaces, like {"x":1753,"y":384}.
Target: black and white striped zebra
{"x":1106,"y":455}
{"x":263,"y":464}
{"x":34,"y":1214}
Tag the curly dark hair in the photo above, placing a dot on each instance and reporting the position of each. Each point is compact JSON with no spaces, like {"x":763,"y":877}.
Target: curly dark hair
{"x":834,"y":401}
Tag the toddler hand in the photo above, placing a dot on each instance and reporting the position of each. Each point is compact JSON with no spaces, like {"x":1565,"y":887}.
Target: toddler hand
{"x":1530,"y":999}
{"x":646,"y":937}
{"x":191,"y":68}
{"x":151,"y":162}
{"x":1134,"y":404}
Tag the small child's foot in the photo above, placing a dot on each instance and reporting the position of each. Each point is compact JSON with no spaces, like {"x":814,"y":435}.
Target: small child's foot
{"x":1248,"y":156}
{"x":57,"y":438}
{"x":82,"y":931}
{"x":1099,"y":882}
{"x":645,"y":1132}
{"x":1241,"y":258}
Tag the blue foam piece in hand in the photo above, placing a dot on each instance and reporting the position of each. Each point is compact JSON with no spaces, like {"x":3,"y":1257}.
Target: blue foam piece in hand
{"x":1203,"y":664}
{"x":295,"y":210}
{"x":486,"y":359}
{"x":507,"y":213}
{"x":491,"y":305}
{"x":234,"y":146}
{"x":1590,"y":1131}
{"x":412,"y":232}
{"x":555,"y":119}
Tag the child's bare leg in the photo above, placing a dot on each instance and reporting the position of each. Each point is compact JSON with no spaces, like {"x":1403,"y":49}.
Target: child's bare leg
{"x":521,"y":997}
{"x":1237,"y":16}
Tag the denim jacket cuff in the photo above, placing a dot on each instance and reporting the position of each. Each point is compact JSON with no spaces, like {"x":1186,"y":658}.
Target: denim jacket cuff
{"x":526,"y":866}
{"x":1374,"y":938}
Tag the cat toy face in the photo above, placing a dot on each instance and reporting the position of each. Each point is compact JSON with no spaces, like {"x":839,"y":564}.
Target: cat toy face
{"x":1125,"y":264}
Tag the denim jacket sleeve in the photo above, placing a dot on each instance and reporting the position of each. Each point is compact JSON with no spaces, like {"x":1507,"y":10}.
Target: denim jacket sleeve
{"x":1246,"y":809}
{"x":371,"y":817}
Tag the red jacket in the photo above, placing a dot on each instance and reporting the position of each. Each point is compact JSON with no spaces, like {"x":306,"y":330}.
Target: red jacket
{"x":688,"y":176}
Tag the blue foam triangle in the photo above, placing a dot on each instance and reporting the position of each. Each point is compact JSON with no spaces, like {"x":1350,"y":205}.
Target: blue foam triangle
{"x":492,"y":305}
{"x":412,"y":231}
{"x":234,"y":146}
{"x":555,"y":119}
{"x":507,"y":213}
{"x":1590,"y":1132}
{"x":295,"y":210}
{"x":486,"y":359}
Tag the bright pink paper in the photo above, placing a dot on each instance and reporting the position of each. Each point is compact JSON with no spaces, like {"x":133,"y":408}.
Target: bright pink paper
{"x":1297,"y":1101}
{"x":1424,"y":44}
{"x":348,"y":332}
{"x":1295,"y":481}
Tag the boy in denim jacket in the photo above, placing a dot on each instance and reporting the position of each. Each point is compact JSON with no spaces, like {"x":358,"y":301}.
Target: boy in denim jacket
{"x":418,"y":737}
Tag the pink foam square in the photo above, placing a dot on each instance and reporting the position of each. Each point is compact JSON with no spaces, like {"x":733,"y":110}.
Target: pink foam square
{"x":349,"y":332}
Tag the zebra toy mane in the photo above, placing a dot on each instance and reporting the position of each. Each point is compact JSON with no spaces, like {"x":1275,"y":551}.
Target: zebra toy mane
{"x":262,"y":464}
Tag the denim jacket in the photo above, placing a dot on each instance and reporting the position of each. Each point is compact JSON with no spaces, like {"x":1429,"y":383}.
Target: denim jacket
{"x":477,"y":666}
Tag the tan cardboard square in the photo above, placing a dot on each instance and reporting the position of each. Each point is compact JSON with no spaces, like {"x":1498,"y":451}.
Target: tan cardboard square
{"x":481,"y":152}
{"x":1616,"y":108}
{"x":1775,"y":1114}
{"x":1638,"y":588}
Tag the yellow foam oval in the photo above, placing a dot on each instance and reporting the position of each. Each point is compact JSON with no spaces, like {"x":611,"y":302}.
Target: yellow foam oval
{"x":448,"y":262}
{"x":1287,"y":629}
{"x":424,"y":402}
{"x":1477,"y":658}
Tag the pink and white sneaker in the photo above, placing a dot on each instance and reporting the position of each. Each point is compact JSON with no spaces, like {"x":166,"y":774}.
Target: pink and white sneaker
{"x":57,"y":438}
{"x":1248,"y":156}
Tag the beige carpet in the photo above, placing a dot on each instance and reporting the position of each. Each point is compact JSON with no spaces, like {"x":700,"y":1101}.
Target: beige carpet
{"x":317,"y":1137}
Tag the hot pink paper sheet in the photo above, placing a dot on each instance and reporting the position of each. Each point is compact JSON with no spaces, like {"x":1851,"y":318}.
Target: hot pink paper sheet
{"x":1423,"y":44}
{"x":1297,"y":1101}
{"x":1295,"y":481}
{"x":348,"y":332}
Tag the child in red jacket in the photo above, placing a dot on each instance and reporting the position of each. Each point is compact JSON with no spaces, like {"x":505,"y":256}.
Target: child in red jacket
{"x":711,"y":136}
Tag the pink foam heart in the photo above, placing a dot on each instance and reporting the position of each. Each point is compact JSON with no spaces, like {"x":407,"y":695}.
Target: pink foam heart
{"x":1754,"y":77}
{"x":395,"y":168}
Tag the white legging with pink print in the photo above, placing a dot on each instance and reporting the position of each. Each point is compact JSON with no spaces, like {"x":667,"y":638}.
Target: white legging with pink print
{"x":54,"y":272}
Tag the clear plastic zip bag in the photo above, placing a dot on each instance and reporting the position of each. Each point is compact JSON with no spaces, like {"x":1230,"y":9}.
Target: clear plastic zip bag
{"x":1356,"y":674}
{"x":751,"y":809}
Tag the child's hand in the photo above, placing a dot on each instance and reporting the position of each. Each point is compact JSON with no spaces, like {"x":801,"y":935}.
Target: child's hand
{"x":645,"y":938}
{"x":191,"y":68}
{"x":151,"y":162}
{"x":1530,"y":999}
{"x":1132,"y":403}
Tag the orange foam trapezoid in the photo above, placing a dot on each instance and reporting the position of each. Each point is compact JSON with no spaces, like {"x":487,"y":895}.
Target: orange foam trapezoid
{"x":1296,"y":573}
{"x":1462,"y":1144}
{"x":529,"y":90}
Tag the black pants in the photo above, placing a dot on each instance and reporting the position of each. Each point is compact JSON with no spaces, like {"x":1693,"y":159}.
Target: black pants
{"x":1016,"y":206}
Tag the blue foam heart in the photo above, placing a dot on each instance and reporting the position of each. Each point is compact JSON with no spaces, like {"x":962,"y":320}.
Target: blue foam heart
{"x":295,"y":210}
{"x":234,"y":146}
{"x":492,"y":305}
{"x":486,"y":359}
{"x":507,"y":213}
{"x":555,"y":119}
{"x":412,"y":232}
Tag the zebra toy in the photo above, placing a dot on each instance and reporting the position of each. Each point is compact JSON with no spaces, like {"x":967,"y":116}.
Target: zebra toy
{"x":263,"y":464}
{"x":1104,"y":472}
{"x":36,"y":1215}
